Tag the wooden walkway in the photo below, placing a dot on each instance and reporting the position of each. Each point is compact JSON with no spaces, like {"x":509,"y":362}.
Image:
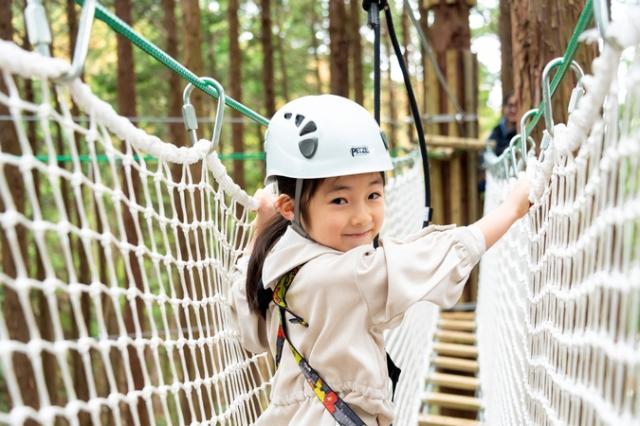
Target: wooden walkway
{"x":452,"y":387}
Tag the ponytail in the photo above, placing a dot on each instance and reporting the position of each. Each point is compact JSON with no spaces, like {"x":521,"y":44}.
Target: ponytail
{"x":258,"y":296}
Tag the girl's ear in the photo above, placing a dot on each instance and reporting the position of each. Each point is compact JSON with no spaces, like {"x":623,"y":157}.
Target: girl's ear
{"x":285,"y":206}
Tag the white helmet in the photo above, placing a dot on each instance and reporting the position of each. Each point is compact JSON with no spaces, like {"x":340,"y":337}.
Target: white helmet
{"x":324,"y":136}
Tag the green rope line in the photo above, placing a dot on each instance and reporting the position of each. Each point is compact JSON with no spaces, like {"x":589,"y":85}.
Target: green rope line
{"x":584,"y":20}
{"x":126,"y":31}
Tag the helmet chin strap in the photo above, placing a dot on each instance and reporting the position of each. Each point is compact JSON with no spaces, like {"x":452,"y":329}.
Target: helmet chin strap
{"x":297,"y":224}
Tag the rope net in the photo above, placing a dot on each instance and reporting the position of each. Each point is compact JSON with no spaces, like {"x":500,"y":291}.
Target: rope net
{"x":118,"y":251}
{"x":559,"y":299}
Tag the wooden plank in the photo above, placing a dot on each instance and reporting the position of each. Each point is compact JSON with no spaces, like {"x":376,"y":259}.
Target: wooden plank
{"x":455,"y":349}
{"x":452,"y":401}
{"x":453,"y":381}
{"x":457,"y":142}
{"x":461,"y":325}
{"x":436,"y":420}
{"x":457,"y":364}
{"x":455,"y":336}
{"x":465,"y":315}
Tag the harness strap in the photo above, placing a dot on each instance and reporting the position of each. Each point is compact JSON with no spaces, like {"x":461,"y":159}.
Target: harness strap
{"x":340,"y":410}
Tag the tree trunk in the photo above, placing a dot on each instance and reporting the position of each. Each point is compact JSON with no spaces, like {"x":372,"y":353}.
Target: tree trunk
{"x":393,"y":115}
{"x":193,"y":53}
{"x":540,"y":32}
{"x":450,"y":29}
{"x":235,"y":85}
{"x":506,"y":73}
{"x":177,"y":131}
{"x":314,"y":44}
{"x":267,"y":63}
{"x":339,"y":46}
{"x":134,"y":316}
{"x":356,"y":43}
{"x":14,"y":316}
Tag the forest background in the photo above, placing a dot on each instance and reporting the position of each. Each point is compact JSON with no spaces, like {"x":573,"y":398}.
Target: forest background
{"x":267,"y":52}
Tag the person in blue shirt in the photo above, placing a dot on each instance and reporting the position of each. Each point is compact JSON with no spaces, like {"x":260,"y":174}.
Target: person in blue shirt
{"x":506,"y":128}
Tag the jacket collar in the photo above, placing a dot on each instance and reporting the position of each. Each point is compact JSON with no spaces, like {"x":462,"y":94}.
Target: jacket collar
{"x":290,"y":251}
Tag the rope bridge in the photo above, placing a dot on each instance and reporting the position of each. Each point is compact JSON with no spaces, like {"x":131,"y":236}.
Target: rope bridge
{"x":559,"y":299}
{"x":116,"y":272}
{"x":116,"y":265}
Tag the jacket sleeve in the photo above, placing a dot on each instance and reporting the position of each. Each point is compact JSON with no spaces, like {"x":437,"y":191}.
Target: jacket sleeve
{"x":250,"y":325}
{"x":432,"y":265}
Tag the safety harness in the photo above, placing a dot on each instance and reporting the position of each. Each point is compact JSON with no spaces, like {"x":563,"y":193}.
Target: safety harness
{"x":340,"y":410}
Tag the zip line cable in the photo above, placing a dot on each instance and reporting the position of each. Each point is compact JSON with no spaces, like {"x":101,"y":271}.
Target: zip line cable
{"x":373,"y":9}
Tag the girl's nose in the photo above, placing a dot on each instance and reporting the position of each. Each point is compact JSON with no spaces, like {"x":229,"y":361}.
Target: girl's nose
{"x":361,"y":215}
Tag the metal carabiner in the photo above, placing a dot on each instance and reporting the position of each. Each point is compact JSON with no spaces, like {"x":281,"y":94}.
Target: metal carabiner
{"x":511,"y":149}
{"x":524,"y":135}
{"x":189,"y":112}
{"x":546,"y":89}
{"x":82,"y":42}
{"x":601,"y":16}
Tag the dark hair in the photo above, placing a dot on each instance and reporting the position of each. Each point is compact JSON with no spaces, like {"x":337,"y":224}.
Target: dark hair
{"x":257,"y":296}
{"x":506,"y":97}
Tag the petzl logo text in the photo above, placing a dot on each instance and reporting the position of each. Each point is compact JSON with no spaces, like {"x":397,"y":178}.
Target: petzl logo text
{"x":357,"y":151}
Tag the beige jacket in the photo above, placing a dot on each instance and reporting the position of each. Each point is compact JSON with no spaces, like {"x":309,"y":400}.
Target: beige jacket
{"x":348,"y":299}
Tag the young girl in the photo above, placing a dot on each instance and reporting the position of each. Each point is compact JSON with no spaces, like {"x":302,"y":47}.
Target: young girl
{"x":335,"y":293}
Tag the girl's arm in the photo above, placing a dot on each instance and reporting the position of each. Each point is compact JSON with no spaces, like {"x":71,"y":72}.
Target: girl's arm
{"x":497,"y":222}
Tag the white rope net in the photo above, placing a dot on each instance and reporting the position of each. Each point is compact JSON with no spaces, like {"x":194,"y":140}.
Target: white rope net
{"x":559,"y":298}
{"x":118,"y":250}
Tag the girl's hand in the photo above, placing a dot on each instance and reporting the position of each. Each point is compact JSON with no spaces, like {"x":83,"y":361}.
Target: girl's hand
{"x":266,"y":209}
{"x":519,"y":197}
{"x":498,"y":221}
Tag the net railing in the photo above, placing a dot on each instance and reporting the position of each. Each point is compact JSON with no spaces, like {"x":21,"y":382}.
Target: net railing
{"x":559,"y":297}
{"x":118,"y":252}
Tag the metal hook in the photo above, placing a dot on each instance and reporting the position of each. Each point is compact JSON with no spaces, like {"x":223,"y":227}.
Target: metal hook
{"x":82,"y":42}
{"x":546,"y":89}
{"x":511,"y":149}
{"x":524,"y":136}
{"x":601,"y":15}
{"x":189,"y":112}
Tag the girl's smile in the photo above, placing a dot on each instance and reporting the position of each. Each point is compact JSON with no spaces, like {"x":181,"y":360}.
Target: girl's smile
{"x":346,"y":211}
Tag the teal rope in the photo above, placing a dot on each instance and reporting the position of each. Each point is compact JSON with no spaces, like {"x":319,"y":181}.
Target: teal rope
{"x":584,"y":20}
{"x":126,"y":31}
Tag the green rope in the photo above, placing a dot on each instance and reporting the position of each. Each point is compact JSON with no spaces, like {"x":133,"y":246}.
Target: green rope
{"x":126,"y":31}
{"x":569,"y":54}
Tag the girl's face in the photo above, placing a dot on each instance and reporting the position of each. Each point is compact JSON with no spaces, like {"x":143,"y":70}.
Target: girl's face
{"x":346,"y":211}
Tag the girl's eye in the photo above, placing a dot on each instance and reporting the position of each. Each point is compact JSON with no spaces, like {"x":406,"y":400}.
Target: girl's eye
{"x":339,"y":201}
{"x":375,"y":195}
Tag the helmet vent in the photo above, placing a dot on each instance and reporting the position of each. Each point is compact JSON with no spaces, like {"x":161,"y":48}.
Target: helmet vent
{"x":308,"y":147}
{"x":287,"y":115}
{"x":299,"y":119}
{"x":308,"y":128}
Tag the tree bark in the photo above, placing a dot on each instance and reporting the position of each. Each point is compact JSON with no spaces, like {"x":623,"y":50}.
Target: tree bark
{"x":14,"y":316}
{"x":177,"y":131}
{"x":506,"y":73}
{"x":126,"y":96}
{"x":393,"y":115}
{"x":450,"y":29}
{"x":193,"y":52}
{"x":235,"y":85}
{"x":540,"y":32}
{"x":282,"y":63}
{"x":339,"y":46}
{"x":356,"y":57}
{"x":267,"y":63}
{"x":314,"y":44}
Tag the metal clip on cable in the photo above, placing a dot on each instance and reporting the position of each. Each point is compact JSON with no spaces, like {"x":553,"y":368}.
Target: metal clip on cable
{"x":546,"y":98}
{"x":189,"y":113}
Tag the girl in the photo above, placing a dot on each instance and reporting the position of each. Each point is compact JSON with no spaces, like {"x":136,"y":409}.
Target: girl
{"x":318,"y":295}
